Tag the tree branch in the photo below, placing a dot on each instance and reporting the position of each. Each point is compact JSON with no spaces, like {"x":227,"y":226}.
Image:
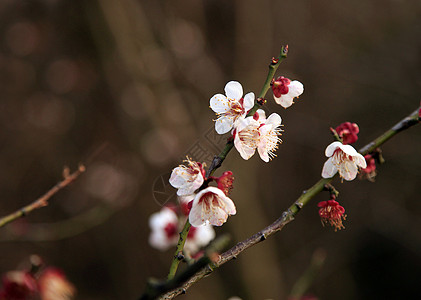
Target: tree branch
{"x":43,"y":200}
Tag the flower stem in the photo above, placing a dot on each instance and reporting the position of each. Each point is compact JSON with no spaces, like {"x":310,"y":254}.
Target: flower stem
{"x":178,"y":255}
{"x":272,"y":70}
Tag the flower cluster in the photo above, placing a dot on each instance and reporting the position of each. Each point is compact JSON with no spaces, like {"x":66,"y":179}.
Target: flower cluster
{"x":252,"y":132}
{"x":206,"y":205}
{"x":47,"y":284}
{"x":202,"y":204}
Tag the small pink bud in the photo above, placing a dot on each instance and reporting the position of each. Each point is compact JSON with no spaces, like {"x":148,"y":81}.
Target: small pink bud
{"x":348,"y":132}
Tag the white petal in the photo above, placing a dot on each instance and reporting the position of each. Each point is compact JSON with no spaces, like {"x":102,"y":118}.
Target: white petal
{"x":218,"y":216}
{"x":331,"y":148}
{"x":285,"y":100}
{"x":196,"y":217}
{"x":160,"y":219}
{"x":159,"y":240}
{"x":248,"y":101}
{"x":234,"y":90}
{"x":274,"y":119}
{"x":204,"y":234}
{"x":224,"y":124}
{"x":348,"y":149}
{"x":186,"y":198}
{"x":262,"y":115}
{"x":219,"y":103}
{"x":296,"y":88}
{"x":245,"y":151}
{"x":262,"y":151}
{"x":229,"y":206}
{"x":348,"y":170}
{"x":178,"y":177}
{"x":360,"y":161}
{"x":188,"y":190}
{"x":329,"y":169}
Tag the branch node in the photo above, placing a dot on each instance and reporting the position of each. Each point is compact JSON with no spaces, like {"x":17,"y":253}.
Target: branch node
{"x":262,"y":237}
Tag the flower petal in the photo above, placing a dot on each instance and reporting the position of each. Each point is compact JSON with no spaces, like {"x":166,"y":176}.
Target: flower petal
{"x":348,"y":149}
{"x":219,"y":103}
{"x":196,"y":215}
{"x":245,"y":151}
{"x":348,"y":170}
{"x":262,"y":151}
{"x":296,"y":88}
{"x":248,"y":101}
{"x":360,"y":161}
{"x":178,"y":177}
{"x":224,"y":124}
{"x":329,"y":169}
{"x":262,"y":115}
{"x":274,"y":119}
{"x":332,"y":147}
{"x":234,"y":90}
{"x":285,"y":100}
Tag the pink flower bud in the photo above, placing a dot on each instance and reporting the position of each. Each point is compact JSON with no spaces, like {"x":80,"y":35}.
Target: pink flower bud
{"x":348,"y":132}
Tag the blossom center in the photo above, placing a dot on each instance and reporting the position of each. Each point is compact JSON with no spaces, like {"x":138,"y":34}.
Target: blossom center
{"x":250,"y":136}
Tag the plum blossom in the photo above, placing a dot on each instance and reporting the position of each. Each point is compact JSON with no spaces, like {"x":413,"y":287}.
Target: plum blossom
{"x":188,"y":178}
{"x":332,"y":213}
{"x":259,"y":133}
{"x":199,"y":237}
{"x":231,"y":106}
{"x":285,"y":90}
{"x":166,"y":225}
{"x":211,"y":206}
{"x":343,"y":159}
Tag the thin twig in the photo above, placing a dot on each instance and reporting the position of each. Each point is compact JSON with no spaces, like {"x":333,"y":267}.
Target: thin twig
{"x":288,"y":215}
{"x":43,"y":200}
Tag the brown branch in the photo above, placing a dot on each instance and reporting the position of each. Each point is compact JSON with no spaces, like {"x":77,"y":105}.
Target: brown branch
{"x":43,"y":200}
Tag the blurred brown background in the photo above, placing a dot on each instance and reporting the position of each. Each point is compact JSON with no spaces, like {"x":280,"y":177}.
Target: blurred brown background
{"x":123,"y":86}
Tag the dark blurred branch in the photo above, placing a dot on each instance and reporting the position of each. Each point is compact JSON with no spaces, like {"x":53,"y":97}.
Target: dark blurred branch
{"x":43,"y":200}
{"x":62,"y":229}
{"x":156,"y":288}
{"x":288,"y":215}
{"x":307,"y":278}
